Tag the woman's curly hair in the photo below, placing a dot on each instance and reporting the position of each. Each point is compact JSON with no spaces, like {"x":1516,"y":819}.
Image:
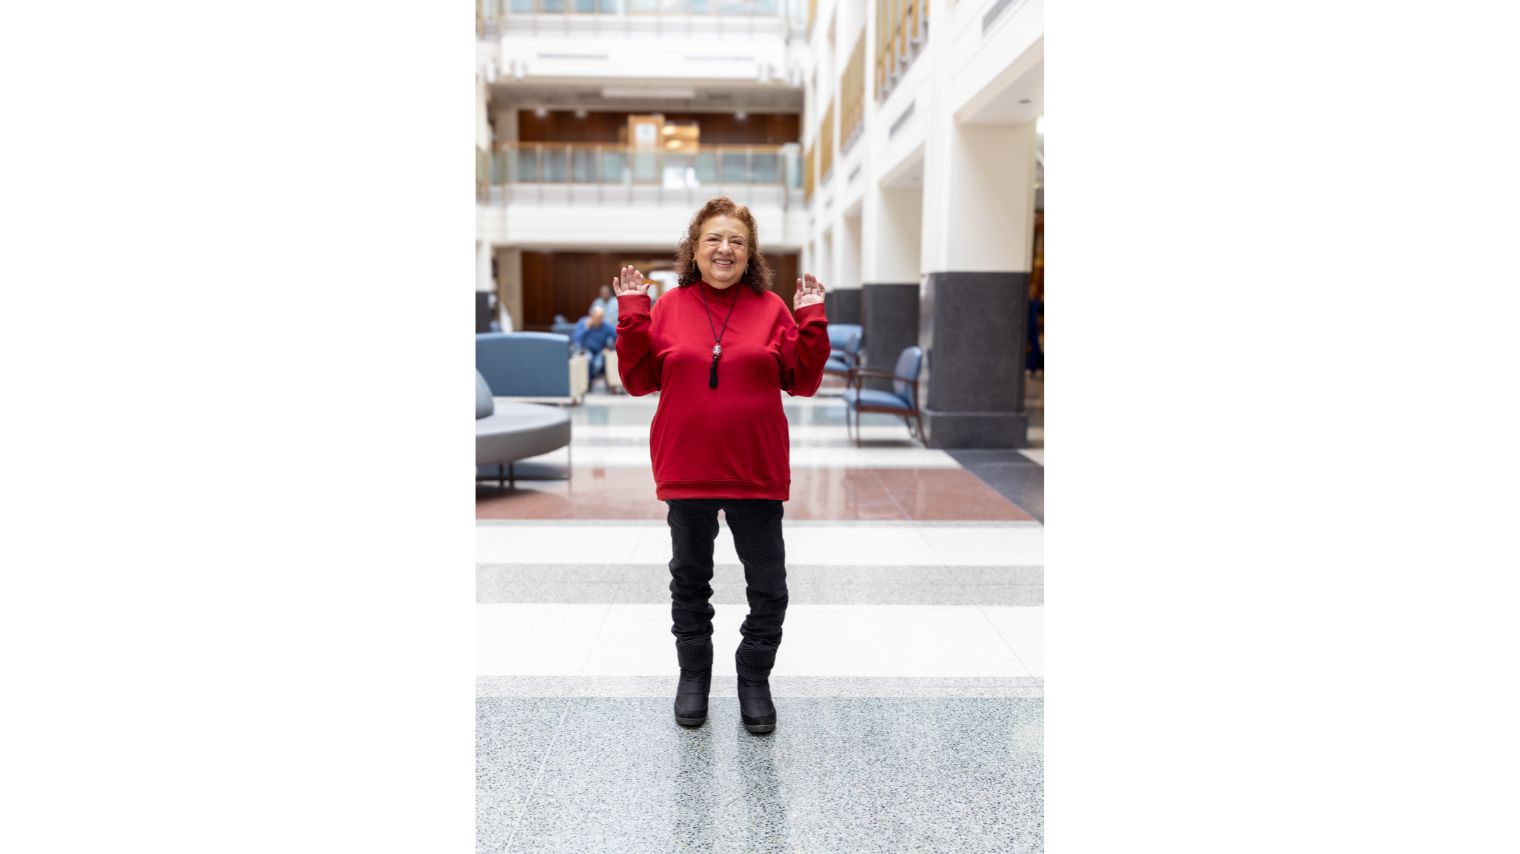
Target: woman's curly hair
{"x":757,"y":274}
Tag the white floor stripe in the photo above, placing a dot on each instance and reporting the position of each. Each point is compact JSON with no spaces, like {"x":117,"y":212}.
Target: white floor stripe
{"x":1036,"y":454}
{"x":909,"y":545}
{"x":1023,"y":629}
{"x":818,"y":640}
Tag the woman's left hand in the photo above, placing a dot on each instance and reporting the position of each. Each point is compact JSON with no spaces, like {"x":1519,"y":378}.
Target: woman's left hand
{"x":809,"y":292}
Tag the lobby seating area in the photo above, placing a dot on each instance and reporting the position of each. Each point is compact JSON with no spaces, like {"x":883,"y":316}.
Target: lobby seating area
{"x":531,"y":366}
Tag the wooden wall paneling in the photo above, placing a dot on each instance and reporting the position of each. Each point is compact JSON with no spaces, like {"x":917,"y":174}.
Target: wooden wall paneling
{"x":784,"y":265}
{"x":609,"y":128}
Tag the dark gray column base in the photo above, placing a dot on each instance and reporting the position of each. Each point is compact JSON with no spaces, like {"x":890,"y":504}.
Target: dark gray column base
{"x":889,"y":312}
{"x":843,"y":305}
{"x":972,"y":325}
{"x":976,"y":429}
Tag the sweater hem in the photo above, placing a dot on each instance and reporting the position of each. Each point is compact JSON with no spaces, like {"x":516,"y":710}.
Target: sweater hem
{"x":722,"y":489}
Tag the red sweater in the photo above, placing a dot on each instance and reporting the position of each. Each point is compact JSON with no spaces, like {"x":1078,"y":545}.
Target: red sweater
{"x":730,"y":441}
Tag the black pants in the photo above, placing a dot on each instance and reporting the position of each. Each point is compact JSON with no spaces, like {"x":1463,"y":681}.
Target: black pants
{"x":756,"y":526}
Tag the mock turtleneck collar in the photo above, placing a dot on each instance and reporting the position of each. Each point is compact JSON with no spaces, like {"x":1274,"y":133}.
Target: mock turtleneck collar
{"x":724,"y":294}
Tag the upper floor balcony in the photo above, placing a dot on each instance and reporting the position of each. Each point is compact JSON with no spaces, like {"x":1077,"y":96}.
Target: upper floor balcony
{"x":593,"y":174}
{"x":584,"y":195}
{"x":593,"y":17}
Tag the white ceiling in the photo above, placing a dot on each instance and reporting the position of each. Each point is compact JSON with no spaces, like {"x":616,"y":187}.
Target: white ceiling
{"x":1020,"y":99}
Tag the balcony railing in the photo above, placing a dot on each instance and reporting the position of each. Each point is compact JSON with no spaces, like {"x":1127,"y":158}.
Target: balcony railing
{"x":902,"y":26}
{"x":825,"y":144}
{"x":489,"y":14}
{"x":809,"y":172}
{"x":852,"y":95}
{"x":523,"y":166}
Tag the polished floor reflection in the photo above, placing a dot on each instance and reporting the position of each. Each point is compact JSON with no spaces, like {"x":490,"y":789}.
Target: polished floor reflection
{"x":909,"y":686}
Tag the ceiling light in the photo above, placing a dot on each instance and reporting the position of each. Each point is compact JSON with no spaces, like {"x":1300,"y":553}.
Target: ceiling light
{"x":580,"y":114}
{"x":541,"y":112}
{"x":668,"y":130}
{"x":741,"y":115}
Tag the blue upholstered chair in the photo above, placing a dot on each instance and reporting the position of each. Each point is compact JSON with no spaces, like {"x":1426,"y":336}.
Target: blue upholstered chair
{"x":901,"y":400}
{"x":534,"y":365}
{"x":844,"y":349}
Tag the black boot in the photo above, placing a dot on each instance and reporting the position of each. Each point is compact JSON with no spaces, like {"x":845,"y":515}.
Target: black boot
{"x":755,"y":705}
{"x":691,"y":697}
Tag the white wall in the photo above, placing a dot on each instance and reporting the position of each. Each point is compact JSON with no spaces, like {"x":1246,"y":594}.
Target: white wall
{"x":618,"y":224}
{"x":979,"y":61}
{"x":849,"y":254}
{"x":744,"y":53}
{"x":893,"y":234}
{"x":509,"y":284}
{"x":483,"y":281}
{"x":979,"y":199}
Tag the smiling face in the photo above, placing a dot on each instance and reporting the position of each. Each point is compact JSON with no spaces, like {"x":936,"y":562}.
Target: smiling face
{"x":723,"y":244}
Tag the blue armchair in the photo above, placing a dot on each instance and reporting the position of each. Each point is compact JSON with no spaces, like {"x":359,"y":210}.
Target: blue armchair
{"x":901,"y":400}
{"x":844,"y":349}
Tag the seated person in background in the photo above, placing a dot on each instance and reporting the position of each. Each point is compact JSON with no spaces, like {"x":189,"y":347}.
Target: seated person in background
{"x":608,"y":304}
{"x":593,"y":335}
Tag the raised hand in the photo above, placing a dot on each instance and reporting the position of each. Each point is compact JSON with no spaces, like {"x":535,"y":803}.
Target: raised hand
{"x":809,"y":292}
{"x":629,"y":281}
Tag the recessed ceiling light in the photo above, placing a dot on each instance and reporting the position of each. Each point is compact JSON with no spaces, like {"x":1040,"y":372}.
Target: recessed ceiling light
{"x":741,"y":115}
{"x":541,"y":112}
{"x":580,"y":114}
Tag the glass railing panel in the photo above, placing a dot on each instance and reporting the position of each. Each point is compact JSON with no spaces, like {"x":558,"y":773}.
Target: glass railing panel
{"x":646,"y":167}
{"x":733,"y":167}
{"x":556,"y":165}
{"x":765,"y":168}
{"x":525,"y":166}
{"x":522,"y":7}
{"x":699,"y":7}
{"x":673,"y":7}
{"x":793,"y":163}
{"x":765,"y":8}
{"x":551,"y":7}
{"x":614,"y":167}
{"x":677,"y":171}
{"x":643,"y":7}
{"x":583,"y":165}
{"x":733,"y":7}
{"x":705,"y":169}
{"x":610,"y":164}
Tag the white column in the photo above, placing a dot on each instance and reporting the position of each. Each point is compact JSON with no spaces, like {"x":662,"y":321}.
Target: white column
{"x":892,"y":234}
{"x":978,"y":196}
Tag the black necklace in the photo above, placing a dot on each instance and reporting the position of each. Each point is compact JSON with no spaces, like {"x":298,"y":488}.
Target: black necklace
{"x":712,"y":375}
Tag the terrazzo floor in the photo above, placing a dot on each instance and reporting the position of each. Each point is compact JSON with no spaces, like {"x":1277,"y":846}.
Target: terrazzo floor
{"x":909,"y":687}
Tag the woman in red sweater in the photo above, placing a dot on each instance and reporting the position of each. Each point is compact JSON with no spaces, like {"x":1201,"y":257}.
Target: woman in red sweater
{"x":720,"y":349}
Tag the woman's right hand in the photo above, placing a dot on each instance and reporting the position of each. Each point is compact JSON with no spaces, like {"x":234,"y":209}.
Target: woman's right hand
{"x":629,"y":281}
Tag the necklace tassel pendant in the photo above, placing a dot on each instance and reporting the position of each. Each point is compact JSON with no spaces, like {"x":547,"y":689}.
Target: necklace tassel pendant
{"x":712,"y":375}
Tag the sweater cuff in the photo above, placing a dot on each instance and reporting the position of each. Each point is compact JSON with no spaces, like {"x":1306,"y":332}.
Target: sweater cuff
{"x":811,"y":312}
{"x":635,"y":303}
